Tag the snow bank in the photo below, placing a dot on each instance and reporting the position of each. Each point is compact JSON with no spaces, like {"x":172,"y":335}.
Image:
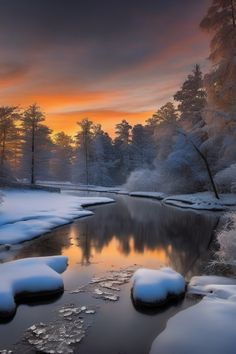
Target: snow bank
{"x":25,"y":215}
{"x":202,"y":201}
{"x":154,"y":195}
{"x":208,"y":327}
{"x":156,"y":287}
{"x":29,"y":276}
{"x":226,"y":239}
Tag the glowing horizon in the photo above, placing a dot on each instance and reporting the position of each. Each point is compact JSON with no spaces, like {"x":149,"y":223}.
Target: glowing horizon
{"x":76,"y":63}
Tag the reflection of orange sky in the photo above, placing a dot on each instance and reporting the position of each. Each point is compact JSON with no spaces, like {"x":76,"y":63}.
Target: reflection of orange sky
{"x":112,"y":254}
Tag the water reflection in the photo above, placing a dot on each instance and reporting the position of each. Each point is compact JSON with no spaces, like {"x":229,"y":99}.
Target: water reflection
{"x":131,"y":231}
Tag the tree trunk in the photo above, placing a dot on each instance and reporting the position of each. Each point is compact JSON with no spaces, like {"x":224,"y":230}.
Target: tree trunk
{"x":33,"y":154}
{"x":3,"y":148}
{"x":233,"y":13}
{"x":207,"y":168}
{"x":86,"y":159}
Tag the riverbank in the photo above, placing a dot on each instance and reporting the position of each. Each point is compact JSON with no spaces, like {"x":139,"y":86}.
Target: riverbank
{"x":26,"y":214}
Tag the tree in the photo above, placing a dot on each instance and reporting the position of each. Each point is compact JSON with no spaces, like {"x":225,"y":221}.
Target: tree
{"x":122,"y":150}
{"x":220,"y":115}
{"x":221,"y":81}
{"x":62,"y":157}
{"x":36,"y":147}
{"x":8,"y":133}
{"x":102,"y":157}
{"x":166,"y":118}
{"x":191,"y":98}
{"x":143,"y":149}
{"x":83,"y":141}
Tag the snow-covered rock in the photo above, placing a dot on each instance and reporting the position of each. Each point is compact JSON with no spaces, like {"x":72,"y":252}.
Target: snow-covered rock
{"x":208,"y":327}
{"x":26,"y":214}
{"x":154,"y":195}
{"x":29,"y":277}
{"x":156,"y":287}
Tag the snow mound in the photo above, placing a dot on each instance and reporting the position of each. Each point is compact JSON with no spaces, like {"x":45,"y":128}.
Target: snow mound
{"x":154,"y":195}
{"x":29,"y":276}
{"x":156,"y":287}
{"x":208,"y":327}
{"x":201,"y":201}
{"x":220,"y":287}
{"x":25,"y":215}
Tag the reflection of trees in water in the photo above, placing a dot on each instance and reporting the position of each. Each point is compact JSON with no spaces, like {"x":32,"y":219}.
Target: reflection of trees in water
{"x":151,"y":226}
{"x":85,"y":243}
{"x":47,"y":245}
{"x":148,"y":224}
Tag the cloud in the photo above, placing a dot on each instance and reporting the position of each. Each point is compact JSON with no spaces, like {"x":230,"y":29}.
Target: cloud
{"x":94,"y":56}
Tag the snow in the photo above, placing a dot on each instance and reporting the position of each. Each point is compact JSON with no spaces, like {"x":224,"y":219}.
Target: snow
{"x":29,"y":276}
{"x":221,"y":287}
{"x":202,"y":201}
{"x":154,"y":195}
{"x":209,"y":326}
{"x":26,"y":214}
{"x":154,"y":287}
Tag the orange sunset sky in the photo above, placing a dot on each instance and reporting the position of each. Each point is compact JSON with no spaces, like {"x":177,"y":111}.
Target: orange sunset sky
{"x":105,"y":60}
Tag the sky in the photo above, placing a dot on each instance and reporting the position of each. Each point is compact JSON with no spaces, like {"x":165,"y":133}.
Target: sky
{"x":107,"y":60}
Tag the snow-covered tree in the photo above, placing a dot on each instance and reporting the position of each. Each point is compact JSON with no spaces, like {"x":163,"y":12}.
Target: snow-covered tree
{"x":220,"y":115}
{"x":221,"y":81}
{"x":166,"y":118}
{"x":191,"y":99}
{"x":83,"y":152}
{"x":102,"y":156}
{"x":143,"y":148}
{"x":122,"y":151}
{"x":61,"y":161}
{"x":36,"y":145}
{"x":8,"y":139}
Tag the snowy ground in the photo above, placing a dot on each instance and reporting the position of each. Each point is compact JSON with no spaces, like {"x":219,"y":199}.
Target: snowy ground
{"x":27,"y":277}
{"x":26,"y":214}
{"x":202,"y":201}
{"x":154,"y":195}
{"x":208,"y":327}
{"x":197,"y":201}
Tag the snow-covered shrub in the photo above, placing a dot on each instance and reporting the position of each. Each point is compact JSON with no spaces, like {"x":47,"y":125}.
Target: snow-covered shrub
{"x":1,"y":198}
{"x":227,"y":240}
{"x":144,"y":180}
{"x":226,"y":178}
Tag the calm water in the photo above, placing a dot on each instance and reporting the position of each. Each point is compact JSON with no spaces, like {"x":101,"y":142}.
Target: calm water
{"x":132,"y":231}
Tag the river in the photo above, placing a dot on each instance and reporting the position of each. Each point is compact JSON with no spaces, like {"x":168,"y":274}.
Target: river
{"x":132,"y":232}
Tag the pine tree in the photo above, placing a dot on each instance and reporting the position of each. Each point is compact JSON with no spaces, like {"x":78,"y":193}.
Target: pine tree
{"x":122,"y":151}
{"x":221,"y":81}
{"x":82,"y":163}
{"x":192,"y":99}
{"x":62,"y":155}
{"x":8,"y":132}
{"x":37,"y":145}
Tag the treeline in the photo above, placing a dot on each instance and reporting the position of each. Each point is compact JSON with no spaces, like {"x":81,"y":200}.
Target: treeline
{"x":30,"y":151}
{"x":185,"y":145}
